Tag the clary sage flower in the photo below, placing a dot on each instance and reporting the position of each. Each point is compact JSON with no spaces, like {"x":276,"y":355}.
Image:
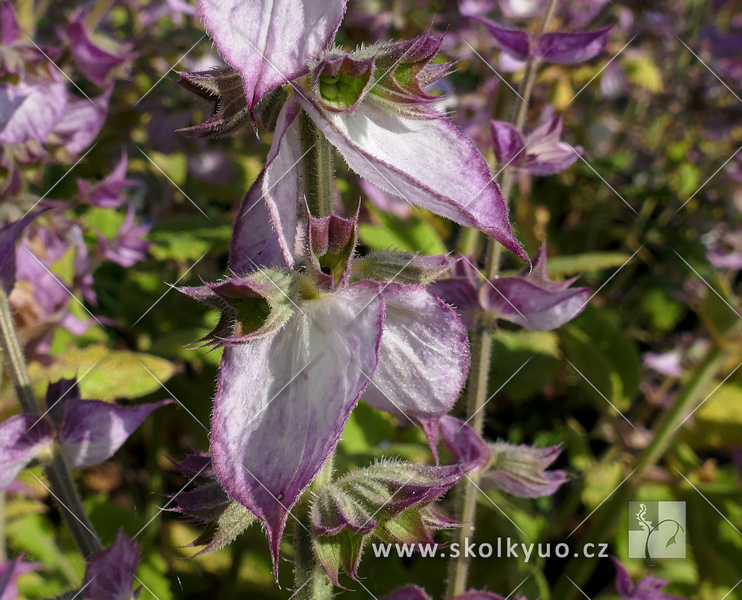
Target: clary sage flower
{"x":86,"y":431}
{"x":370,"y":104}
{"x":302,"y":347}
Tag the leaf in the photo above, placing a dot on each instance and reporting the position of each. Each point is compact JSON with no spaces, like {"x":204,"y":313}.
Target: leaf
{"x":188,"y":238}
{"x":511,"y":350}
{"x":603,"y":355}
{"x":591,"y":262}
{"x":411,"y":235}
{"x":718,"y":421}
{"x":104,"y":374}
{"x":644,"y":73}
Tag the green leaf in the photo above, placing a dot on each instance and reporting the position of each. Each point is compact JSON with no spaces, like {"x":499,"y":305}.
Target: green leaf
{"x":592,"y":262}
{"x":718,"y":421}
{"x":188,"y":238}
{"x":511,"y":350}
{"x":411,"y":235}
{"x":644,"y":73}
{"x":605,"y":358}
{"x":105,"y":374}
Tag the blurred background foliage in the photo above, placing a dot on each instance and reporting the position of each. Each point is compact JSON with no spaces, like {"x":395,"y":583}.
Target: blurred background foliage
{"x":633,"y":220}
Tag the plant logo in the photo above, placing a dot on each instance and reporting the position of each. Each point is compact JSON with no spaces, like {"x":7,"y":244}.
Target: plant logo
{"x":656,"y":530}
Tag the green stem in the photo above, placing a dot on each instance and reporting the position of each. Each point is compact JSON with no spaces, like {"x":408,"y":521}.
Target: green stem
{"x":310,"y":580}
{"x":3,"y":553}
{"x":466,"y":499}
{"x":664,"y":433}
{"x":466,"y":493}
{"x":56,"y":470}
{"x":317,"y":167}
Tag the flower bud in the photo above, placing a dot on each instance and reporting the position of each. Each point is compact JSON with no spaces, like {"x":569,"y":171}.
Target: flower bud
{"x":331,"y":243}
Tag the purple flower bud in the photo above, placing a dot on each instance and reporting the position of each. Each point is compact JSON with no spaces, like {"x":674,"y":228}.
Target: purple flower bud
{"x":541,"y":152}
{"x":521,"y":470}
{"x":467,"y":446}
{"x":331,"y":244}
{"x":107,"y":192}
{"x":647,"y":588}
{"x":128,"y":248}
{"x":534,"y":301}
{"x":412,"y":592}
{"x":110,"y":573}
{"x":210,"y":504}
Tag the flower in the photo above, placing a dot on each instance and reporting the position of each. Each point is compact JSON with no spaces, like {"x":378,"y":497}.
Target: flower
{"x":110,"y":573}
{"x":300,"y":351}
{"x":412,"y":592}
{"x":647,"y":588}
{"x":561,"y":47}
{"x":88,"y":431}
{"x":390,"y":500}
{"x":370,"y":104}
{"x":92,"y":59}
{"x":541,"y":152}
{"x":516,"y":470}
{"x":270,"y":43}
{"x":9,"y":235}
{"x":532,"y":301}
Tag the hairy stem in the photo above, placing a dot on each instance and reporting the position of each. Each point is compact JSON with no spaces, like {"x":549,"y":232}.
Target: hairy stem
{"x":310,"y":580}
{"x":466,"y":493}
{"x":466,"y":501}
{"x":317,"y":168}
{"x":57,"y":472}
{"x":606,"y":522}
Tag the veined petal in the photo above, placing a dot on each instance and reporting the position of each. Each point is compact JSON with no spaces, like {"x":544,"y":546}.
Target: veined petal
{"x":271,"y":41}
{"x":281,"y":180}
{"x":515,"y":42}
{"x":92,"y":431}
{"x":22,"y":438}
{"x":423,"y":358}
{"x":430,"y":162}
{"x":567,"y":48}
{"x":30,"y":112}
{"x":282,"y":401}
{"x":520,"y":301}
